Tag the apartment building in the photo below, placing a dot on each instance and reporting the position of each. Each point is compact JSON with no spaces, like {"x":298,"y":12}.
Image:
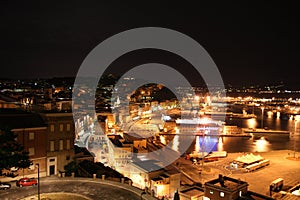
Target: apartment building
{"x":60,"y":141}
{"x":31,"y":133}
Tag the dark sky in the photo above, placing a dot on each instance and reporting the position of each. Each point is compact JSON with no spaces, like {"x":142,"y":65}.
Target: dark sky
{"x":250,"y":43}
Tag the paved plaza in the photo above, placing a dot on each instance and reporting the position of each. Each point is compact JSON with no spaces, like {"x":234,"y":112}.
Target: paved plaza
{"x":259,"y":180}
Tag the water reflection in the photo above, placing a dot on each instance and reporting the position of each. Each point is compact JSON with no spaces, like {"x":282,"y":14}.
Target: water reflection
{"x":220,"y":144}
{"x":242,"y":144}
{"x":206,"y":144}
{"x":262,"y":145}
{"x":251,"y":123}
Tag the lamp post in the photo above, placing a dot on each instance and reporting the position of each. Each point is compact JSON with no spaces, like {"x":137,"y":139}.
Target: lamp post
{"x":295,"y":132}
{"x":262,"y":117}
{"x":38,"y":166}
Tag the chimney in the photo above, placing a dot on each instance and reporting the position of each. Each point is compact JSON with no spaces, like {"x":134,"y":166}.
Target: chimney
{"x":221,"y":180}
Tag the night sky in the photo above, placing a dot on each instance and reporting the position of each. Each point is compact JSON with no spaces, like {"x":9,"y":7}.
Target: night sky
{"x":250,"y":43}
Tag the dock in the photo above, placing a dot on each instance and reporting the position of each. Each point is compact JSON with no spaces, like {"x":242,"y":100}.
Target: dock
{"x":216,"y":135}
{"x":267,"y":131}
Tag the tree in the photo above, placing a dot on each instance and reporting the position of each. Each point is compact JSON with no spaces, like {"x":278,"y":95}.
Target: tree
{"x":176,"y":195}
{"x":12,"y":154}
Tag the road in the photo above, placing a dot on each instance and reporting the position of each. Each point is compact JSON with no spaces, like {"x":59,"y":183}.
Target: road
{"x":87,"y":188}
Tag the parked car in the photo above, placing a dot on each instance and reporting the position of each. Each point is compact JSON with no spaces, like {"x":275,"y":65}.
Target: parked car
{"x":4,"y":186}
{"x":26,"y":182}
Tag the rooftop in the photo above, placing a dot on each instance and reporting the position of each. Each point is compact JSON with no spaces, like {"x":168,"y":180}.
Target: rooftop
{"x":192,"y":191}
{"x":226,"y":182}
{"x":14,"y":119}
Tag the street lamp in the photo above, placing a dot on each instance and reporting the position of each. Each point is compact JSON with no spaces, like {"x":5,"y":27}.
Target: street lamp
{"x":295,"y":132}
{"x":262,"y":117}
{"x":38,"y":166}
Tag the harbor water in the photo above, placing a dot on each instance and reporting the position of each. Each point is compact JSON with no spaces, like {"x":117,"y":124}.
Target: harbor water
{"x":257,"y":143}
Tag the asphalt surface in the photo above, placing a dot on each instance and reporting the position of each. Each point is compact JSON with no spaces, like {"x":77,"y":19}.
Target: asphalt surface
{"x":88,"y":188}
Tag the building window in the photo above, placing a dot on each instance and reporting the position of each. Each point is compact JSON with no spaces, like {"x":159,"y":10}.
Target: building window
{"x":52,"y":145}
{"x":68,"y":157}
{"x":31,"y":167}
{"x":222,"y":194}
{"x":68,"y":144}
{"x":52,"y":127}
{"x":52,"y":160}
{"x":61,"y":127}
{"x":61,"y":145}
{"x":68,"y":127}
{"x":211,"y":192}
{"x":31,"y":151}
{"x":31,"y":135}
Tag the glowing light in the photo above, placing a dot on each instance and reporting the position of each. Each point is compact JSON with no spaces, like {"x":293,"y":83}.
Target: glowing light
{"x":176,"y":129}
{"x":220,"y":144}
{"x":175,"y":145}
{"x":197,"y":145}
{"x":270,"y":114}
{"x":278,"y":115}
{"x":163,"y":140}
{"x":262,"y":144}
{"x":252,"y":123}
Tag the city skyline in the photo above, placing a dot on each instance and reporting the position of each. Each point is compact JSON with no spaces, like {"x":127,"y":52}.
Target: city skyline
{"x":254,"y":44}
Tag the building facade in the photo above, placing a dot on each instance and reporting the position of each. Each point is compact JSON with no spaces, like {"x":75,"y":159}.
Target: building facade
{"x":31,"y":133}
{"x":60,"y":141}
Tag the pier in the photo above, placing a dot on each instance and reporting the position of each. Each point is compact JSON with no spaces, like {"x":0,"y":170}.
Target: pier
{"x":267,"y":131}
{"x":216,"y":135}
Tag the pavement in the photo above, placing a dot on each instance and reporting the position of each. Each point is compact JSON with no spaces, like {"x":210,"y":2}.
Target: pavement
{"x":85,"y":187}
{"x":259,"y":180}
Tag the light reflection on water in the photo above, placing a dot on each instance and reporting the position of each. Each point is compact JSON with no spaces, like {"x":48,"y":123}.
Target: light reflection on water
{"x":262,"y":145}
{"x":242,"y":144}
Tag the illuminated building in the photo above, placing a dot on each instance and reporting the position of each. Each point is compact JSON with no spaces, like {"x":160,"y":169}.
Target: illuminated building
{"x":120,"y":154}
{"x":162,"y":182}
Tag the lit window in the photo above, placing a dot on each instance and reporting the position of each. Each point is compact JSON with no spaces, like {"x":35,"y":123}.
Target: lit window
{"x":61,"y":127}
{"x":211,"y":192}
{"x":222,"y":194}
{"x":68,"y":144}
{"x":31,"y":151}
{"x":52,"y":127}
{"x":61,"y":145}
{"x":31,"y":135}
{"x":31,"y":167}
{"x":68,"y":127}
{"x":51,"y":145}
